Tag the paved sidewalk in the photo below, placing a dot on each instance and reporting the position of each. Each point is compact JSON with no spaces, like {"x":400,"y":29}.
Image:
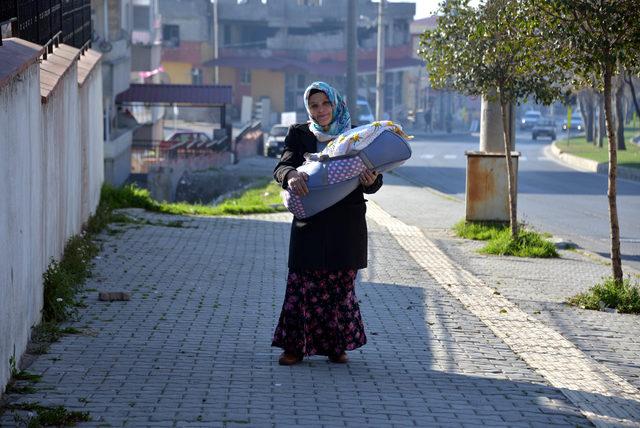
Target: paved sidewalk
{"x":192,"y":347}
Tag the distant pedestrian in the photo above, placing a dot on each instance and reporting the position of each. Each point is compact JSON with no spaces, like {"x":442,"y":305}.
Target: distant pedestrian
{"x":427,"y":120}
{"x":320,"y":314}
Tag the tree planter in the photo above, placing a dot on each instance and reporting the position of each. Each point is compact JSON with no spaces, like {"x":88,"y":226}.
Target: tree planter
{"x":487,"y":193}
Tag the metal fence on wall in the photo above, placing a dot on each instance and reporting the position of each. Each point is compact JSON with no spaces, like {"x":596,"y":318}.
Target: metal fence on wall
{"x":41,"y":21}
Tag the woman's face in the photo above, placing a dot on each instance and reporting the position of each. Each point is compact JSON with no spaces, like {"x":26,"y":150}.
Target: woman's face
{"x":321,"y":108}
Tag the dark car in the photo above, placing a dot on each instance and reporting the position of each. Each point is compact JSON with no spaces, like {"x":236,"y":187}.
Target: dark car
{"x":275,"y":140}
{"x":576,"y":124}
{"x":530,"y":119}
{"x":544,"y":128}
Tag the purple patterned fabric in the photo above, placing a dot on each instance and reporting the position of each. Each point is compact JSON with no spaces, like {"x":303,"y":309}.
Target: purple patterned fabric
{"x":344,"y":169}
{"x":293,"y":203}
{"x":320,"y":314}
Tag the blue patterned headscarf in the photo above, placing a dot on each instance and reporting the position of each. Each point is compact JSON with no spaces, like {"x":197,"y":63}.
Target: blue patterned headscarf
{"x":340,"y":121}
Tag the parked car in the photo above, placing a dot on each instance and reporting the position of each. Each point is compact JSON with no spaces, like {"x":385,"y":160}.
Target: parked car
{"x":530,"y":119}
{"x":576,"y":124}
{"x":275,"y":140}
{"x":364,"y":113}
{"x":544,"y":128}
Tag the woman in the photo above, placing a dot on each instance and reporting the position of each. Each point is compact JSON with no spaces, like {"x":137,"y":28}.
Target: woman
{"x":320,"y":314}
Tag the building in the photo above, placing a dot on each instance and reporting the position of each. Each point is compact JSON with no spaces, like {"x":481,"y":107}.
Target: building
{"x":186,"y":41}
{"x":274,"y":49}
{"x":113,"y":26}
{"x":146,"y":52}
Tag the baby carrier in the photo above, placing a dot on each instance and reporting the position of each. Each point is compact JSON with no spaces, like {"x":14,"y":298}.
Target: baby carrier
{"x":334,"y":172}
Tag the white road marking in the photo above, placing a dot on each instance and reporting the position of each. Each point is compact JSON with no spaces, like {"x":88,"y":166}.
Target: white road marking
{"x":450,"y":156}
{"x":427,"y":156}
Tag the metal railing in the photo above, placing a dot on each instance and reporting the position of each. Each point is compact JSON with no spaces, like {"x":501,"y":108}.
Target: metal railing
{"x":43,"y":21}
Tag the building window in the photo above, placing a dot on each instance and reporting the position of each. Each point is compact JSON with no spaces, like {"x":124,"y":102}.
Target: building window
{"x":171,"y":35}
{"x":245,"y":76}
{"x":141,"y":18}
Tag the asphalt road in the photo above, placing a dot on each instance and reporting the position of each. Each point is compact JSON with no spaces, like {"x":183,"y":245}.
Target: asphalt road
{"x":551,"y":197}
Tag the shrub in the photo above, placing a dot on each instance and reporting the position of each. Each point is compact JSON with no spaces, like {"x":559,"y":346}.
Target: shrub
{"x":623,"y":296}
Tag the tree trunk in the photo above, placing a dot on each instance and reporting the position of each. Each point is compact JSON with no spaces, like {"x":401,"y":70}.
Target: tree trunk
{"x":633,"y":95}
{"x":602,"y":124}
{"x":506,"y":130}
{"x":592,"y":108}
{"x":620,"y":115}
{"x":585,"y":101}
{"x":616,"y":262}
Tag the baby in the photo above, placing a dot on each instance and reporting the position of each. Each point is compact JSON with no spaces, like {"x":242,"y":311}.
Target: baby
{"x":356,"y":139}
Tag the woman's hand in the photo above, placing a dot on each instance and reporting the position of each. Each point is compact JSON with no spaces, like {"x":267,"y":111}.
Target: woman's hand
{"x":368,"y":177}
{"x":297,"y":183}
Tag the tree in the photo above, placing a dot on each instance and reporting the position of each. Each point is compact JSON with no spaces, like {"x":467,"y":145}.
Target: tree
{"x":604,"y":40}
{"x":495,"y":50}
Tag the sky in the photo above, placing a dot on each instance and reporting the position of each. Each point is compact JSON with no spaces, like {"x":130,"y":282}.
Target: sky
{"x":424,"y":8}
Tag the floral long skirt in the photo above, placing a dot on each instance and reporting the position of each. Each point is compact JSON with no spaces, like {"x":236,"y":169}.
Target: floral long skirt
{"x":320,"y":314}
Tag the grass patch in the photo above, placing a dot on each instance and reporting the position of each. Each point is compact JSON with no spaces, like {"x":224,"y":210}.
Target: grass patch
{"x":500,"y":242}
{"x":50,"y":416}
{"x":263,"y":198}
{"x":44,"y":334}
{"x":479,"y":230}
{"x":527,"y":244}
{"x":578,"y":146}
{"x":25,"y":375}
{"x":625,"y":296}
{"x":63,"y":279}
{"x":12,"y":388}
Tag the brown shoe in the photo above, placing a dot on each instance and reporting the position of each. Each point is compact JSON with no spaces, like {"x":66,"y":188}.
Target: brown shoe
{"x":339,"y":358}
{"x":287,"y":359}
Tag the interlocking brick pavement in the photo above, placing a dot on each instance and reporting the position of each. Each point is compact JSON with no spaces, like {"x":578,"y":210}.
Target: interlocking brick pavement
{"x":603,"y":396}
{"x":192,"y":346}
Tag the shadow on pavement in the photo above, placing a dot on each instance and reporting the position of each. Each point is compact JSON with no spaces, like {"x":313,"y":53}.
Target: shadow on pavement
{"x":193,"y":344}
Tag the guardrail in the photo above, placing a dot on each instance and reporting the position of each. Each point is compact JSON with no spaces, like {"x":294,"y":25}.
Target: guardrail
{"x":42,"y":21}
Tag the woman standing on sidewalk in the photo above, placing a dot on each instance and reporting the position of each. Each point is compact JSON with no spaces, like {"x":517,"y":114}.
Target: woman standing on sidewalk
{"x":320,"y":314}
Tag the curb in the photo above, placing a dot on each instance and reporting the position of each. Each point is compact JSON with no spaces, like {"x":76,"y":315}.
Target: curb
{"x":589,"y":165}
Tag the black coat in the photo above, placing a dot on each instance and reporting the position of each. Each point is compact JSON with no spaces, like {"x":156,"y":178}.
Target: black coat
{"x":335,"y":238}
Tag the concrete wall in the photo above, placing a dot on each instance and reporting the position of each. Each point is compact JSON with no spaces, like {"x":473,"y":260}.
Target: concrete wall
{"x":22,"y":255}
{"x":91,"y":134}
{"x":50,"y":180}
{"x":62,"y":164}
{"x":249,"y":143}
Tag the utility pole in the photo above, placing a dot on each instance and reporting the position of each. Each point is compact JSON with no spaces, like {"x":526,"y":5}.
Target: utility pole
{"x":216,"y":77}
{"x":380,"y":62}
{"x":352,"y":61}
